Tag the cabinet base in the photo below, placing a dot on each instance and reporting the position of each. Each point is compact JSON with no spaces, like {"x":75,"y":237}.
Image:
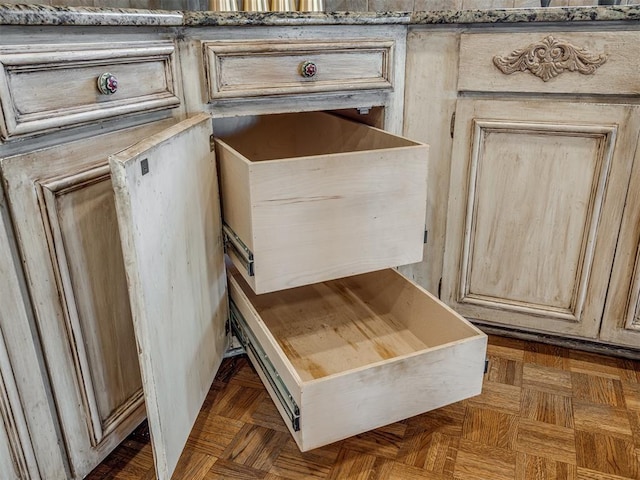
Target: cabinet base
{"x":578,"y":344}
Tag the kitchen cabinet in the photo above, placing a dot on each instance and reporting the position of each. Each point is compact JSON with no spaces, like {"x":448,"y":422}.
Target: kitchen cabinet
{"x":532,"y":226}
{"x":70,"y":341}
{"x":538,"y":136}
{"x":64,"y":217}
{"x":104,"y":353}
{"x":338,"y":357}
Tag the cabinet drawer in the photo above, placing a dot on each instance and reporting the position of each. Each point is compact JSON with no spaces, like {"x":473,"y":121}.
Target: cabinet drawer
{"x":312,"y":197}
{"x":43,"y":87}
{"x":255,"y":68}
{"x":343,"y":357}
{"x":551,"y":62}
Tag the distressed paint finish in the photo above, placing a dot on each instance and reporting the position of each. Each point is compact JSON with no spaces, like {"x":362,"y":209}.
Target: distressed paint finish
{"x":621,"y":319}
{"x":536,"y":197}
{"x":63,"y":215}
{"x":170,"y":227}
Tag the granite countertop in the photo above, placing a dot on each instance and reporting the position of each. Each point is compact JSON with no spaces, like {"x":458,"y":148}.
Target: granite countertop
{"x":50,"y":15}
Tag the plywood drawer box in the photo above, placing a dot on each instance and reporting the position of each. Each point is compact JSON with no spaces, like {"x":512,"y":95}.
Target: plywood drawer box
{"x":136,"y":77}
{"x":346,"y":356}
{"x":312,"y":197}
{"x":604,"y":63}
{"x":268,"y":67}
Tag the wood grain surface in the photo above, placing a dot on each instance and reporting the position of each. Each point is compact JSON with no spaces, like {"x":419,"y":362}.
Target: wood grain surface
{"x":545,"y":413}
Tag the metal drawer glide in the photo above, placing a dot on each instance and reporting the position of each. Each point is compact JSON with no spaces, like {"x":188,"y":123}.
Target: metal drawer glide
{"x":249,"y":342}
{"x":233,"y":244}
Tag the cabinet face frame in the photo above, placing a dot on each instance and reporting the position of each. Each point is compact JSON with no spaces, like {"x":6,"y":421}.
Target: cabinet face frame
{"x":611,"y":138}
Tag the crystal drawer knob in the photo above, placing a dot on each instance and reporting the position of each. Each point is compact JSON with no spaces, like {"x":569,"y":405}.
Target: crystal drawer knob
{"x":107,"y":84}
{"x":308,"y":69}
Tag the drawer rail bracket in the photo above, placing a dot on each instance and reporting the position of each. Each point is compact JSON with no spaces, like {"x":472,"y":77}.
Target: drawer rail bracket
{"x":233,"y":245}
{"x":251,"y":345}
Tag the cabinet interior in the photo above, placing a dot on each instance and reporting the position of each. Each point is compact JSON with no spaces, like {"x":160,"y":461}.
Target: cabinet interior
{"x":288,"y":135}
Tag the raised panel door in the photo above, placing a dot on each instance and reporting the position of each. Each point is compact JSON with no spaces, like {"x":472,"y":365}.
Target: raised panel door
{"x":62,"y":206}
{"x":535,"y":199}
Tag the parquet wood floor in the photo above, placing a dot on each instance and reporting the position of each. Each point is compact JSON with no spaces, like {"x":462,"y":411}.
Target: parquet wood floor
{"x":545,"y":413}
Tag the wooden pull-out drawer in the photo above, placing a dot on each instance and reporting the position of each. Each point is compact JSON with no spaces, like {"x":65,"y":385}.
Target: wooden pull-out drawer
{"x":44,"y":87}
{"x":312,"y":197}
{"x":267,"y":67}
{"x":604,"y":63}
{"x":343,"y":357}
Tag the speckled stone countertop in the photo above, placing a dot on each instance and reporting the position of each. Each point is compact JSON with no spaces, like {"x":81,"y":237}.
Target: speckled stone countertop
{"x":527,"y":15}
{"x":49,"y":15}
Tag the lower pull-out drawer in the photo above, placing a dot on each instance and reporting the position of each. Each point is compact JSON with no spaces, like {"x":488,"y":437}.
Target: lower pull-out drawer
{"x":346,"y":356}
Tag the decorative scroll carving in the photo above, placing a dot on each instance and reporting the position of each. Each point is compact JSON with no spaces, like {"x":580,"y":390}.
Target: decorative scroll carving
{"x":549,"y":58}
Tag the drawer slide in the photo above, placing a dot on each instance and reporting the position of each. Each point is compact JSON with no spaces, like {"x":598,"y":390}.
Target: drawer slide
{"x":235,"y":246}
{"x":250,"y":344}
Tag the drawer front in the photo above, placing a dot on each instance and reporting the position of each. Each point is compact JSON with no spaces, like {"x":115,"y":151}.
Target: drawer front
{"x":312,"y":197}
{"x":256,"y":68}
{"x":351,"y":355}
{"x":48,"y":87}
{"x":551,"y":62}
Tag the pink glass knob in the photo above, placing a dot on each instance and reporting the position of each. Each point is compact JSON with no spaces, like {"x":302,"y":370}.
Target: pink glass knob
{"x":107,"y":84}
{"x":308,"y":69}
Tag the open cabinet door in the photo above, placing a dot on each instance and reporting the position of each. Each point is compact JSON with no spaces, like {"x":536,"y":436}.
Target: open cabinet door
{"x":168,"y":210}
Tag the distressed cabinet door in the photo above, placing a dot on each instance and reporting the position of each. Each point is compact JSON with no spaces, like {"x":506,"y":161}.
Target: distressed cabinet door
{"x":536,"y":197}
{"x":63,"y":212}
{"x":168,"y":208}
{"x":621,"y":320}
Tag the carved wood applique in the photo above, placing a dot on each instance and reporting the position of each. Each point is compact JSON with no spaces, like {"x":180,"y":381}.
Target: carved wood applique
{"x":549,"y":58}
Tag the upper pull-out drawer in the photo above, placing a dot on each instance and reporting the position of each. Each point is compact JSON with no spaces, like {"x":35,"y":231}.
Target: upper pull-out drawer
{"x":312,"y":197}
{"x":267,"y":67}
{"x":551,"y":62}
{"x":43,"y":87}
{"x":343,"y":357}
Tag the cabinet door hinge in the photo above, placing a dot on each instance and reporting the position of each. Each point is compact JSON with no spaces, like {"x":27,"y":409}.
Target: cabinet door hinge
{"x":452,"y":125}
{"x":212,"y":143}
{"x":440,"y":289}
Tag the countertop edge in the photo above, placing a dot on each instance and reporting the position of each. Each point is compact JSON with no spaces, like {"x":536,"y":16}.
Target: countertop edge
{"x":92,"y":16}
